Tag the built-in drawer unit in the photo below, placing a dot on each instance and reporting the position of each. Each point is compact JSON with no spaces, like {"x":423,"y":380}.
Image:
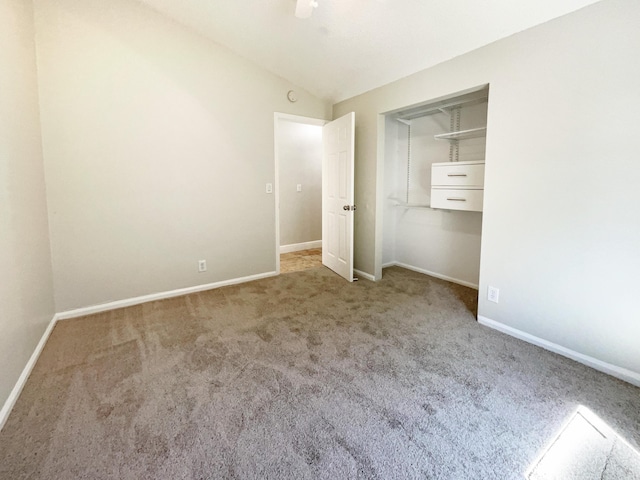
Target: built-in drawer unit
{"x":467,"y":174}
{"x":469,"y":199}
{"x":457,"y":186}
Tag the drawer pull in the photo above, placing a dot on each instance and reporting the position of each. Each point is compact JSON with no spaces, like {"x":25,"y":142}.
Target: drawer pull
{"x":456,"y":199}
{"x":456,"y":174}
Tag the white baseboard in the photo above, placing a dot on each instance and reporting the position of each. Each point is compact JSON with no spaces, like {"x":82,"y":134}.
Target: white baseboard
{"x":22,"y":379}
{"x":366,"y":275}
{"x":103,"y":307}
{"x":297,"y":247}
{"x":613,"y":370}
{"x":432,"y":274}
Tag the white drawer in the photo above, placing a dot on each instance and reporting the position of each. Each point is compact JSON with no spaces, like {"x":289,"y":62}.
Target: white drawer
{"x":457,"y":199}
{"x":453,"y":174}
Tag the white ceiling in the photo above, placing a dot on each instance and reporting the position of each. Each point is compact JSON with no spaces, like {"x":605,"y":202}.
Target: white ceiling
{"x":349,"y":47}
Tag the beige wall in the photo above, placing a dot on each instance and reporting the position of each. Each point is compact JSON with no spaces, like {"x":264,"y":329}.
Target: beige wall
{"x":158,"y":145}
{"x":26,"y":289}
{"x":560,"y":229}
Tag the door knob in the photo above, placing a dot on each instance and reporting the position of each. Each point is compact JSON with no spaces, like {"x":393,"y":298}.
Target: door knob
{"x":346,"y":207}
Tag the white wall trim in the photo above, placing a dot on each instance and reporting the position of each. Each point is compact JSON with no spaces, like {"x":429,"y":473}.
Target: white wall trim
{"x":103,"y":307}
{"x":300,"y":119}
{"x":297,"y":247}
{"x":432,"y":274}
{"x":366,"y":275}
{"x":614,"y":370}
{"x":378,"y":233}
{"x":22,"y":379}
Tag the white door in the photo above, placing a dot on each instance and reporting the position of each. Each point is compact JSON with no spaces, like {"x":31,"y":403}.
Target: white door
{"x":337,"y":195}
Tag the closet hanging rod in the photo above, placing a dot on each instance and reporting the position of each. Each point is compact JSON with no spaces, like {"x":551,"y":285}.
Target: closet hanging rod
{"x":413,"y":205}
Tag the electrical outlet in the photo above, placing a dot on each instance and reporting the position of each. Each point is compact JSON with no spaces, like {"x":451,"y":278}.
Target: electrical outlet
{"x":202,"y":266}
{"x":299,"y":187}
{"x":493,"y":294}
{"x":269,"y":188}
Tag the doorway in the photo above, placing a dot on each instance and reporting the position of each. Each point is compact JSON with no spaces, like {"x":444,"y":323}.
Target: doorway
{"x":298,"y":190}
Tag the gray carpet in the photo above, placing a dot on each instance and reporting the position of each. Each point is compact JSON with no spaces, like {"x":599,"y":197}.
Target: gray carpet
{"x":305,"y":376}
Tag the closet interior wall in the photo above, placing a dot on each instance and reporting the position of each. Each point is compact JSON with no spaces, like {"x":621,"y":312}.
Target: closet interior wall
{"x":442,"y":243}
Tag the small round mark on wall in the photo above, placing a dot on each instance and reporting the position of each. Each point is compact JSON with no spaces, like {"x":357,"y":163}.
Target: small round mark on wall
{"x":292,"y":96}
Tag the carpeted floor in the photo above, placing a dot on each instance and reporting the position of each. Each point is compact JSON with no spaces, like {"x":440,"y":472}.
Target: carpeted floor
{"x":305,"y":376}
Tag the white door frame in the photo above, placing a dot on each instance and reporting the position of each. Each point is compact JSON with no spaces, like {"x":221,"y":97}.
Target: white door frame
{"x":277,"y":117}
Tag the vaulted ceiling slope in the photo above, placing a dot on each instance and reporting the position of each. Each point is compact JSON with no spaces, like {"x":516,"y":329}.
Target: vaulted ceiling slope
{"x":348,"y":47}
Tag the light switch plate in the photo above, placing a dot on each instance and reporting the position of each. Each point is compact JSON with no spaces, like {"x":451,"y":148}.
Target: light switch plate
{"x":493,"y":294}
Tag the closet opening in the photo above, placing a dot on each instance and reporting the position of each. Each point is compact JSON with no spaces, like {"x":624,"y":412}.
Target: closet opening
{"x":434,"y":162}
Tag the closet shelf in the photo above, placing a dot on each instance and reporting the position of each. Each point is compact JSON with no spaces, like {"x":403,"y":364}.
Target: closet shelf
{"x":463,"y":134}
